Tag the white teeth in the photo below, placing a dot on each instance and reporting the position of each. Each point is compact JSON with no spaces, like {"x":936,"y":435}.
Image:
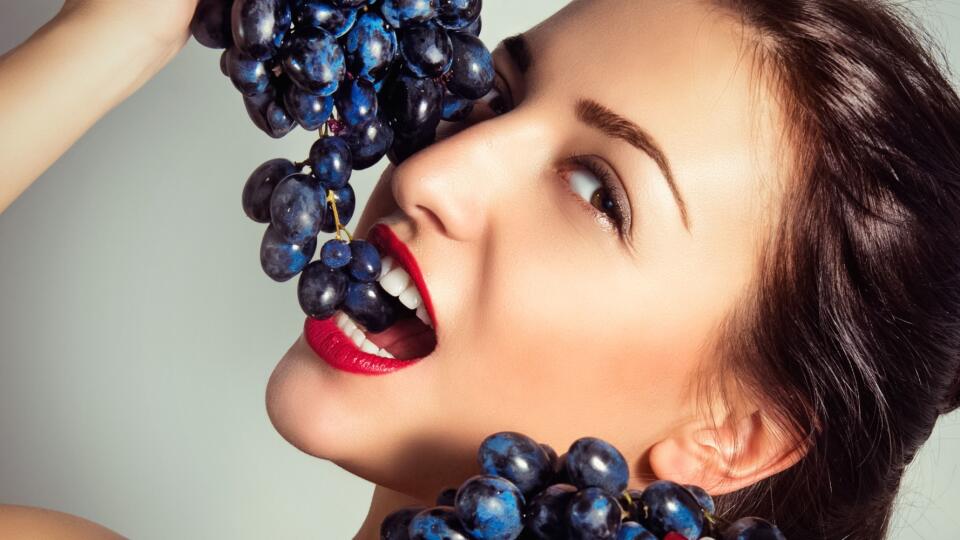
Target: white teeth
{"x":410,"y":297}
{"x":369,"y":347}
{"x":424,"y":316}
{"x":356,"y":334}
{"x":395,"y":281}
{"x":386,"y":264}
{"x":358,"y":337}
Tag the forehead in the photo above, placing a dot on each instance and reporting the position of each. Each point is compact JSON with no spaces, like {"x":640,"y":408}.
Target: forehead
{"x":684,"y":71}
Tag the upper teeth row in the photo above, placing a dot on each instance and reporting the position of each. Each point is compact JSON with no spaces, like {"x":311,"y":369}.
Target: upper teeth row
{"x":396,"y":281}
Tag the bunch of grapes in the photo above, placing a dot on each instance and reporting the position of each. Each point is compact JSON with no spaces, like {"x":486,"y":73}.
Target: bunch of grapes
{"x":375,"y":77}
{"x":525,"y":491}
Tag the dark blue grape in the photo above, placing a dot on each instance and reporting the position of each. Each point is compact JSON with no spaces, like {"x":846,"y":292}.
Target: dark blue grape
{"x":371,"y":306}
{"x":346,"y":202}
{"x":368,"y":144}
{"x":427,"y":50}
{"x":474,"y":28}
{"x":456,"y":108}
{"x":259,"y":26}
{"x":631,"y":530}
{"x":415,"y":104}
{"x":314,"y":61}
{"x":458,"y":14}
{"x":370,"y":47}
{"x":437,"y":523}
{"x":260,"y":185}
{"x":595,"y":462}
{"x":490,"y":508}
{"x":668,"y":506}
{"x":551,"y":455}
{"x":297,"y":208}
{"x":631,"y":507}
{"x":223,"y":63}
{"x":395,"y":525}
{"x":309,"y":110}
{"x":593,"y":514}
{"x":546,"y":514}
{"x":321,"y":290}
{"x":472,"y":73}
{"x":331,"y":161}
{"x":282,"y":260}
{"x":447,"y":497}
{"x":517,"y":458}
{"x":248,"y":75}
{"x":365,"y":266}
{"x":403,"y":13}
{"x":211,"y":24}
{"x":405,"y":146}
{"x":357,"y":102}
{"x":752,"y":528}
{"x":704,"y":498}
{"x":320,"y":14}
{"x":269,"y":114}
{"x":347,"y":3}
{"x":335,"y":253}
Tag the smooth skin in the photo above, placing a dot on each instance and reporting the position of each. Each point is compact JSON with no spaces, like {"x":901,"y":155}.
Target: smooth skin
{"x":551,"y":322}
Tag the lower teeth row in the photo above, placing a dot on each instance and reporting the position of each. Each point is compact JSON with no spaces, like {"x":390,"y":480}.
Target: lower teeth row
{"x":356,"y":334}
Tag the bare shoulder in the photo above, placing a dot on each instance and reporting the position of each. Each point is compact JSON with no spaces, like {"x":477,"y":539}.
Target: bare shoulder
{"x":27,"y":522}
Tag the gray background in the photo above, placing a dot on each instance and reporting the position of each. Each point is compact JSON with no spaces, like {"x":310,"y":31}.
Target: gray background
{"x":137,"y":331}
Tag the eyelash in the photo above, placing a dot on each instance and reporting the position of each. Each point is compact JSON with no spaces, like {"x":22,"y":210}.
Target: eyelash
{"x":605,"y":177}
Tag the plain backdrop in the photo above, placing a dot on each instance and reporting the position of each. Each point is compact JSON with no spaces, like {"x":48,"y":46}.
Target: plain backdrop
{"x":137,"y":330}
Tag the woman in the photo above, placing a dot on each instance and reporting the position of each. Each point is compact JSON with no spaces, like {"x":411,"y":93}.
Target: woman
{"x":721,"y":235}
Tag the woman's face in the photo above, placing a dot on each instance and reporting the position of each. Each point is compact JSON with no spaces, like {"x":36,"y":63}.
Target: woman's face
{"x":557,"y":319}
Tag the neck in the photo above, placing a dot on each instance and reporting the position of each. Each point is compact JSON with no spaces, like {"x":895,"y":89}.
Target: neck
{"x":383,"y":502}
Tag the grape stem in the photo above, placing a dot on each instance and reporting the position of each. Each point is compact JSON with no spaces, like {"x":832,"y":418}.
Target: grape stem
{"x":336,"y":216}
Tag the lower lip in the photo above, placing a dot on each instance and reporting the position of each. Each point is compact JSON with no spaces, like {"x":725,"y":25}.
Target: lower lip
{"x":339,"y":351}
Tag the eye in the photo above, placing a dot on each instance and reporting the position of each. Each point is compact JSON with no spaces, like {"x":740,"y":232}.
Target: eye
{"x":596,"y":189}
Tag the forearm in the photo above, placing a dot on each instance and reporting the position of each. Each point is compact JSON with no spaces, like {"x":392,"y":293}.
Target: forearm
{"x":58,"y":83}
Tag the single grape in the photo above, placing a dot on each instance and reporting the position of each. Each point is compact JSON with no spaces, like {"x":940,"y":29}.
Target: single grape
{"x":456,"y":108}
{"x":370,"y":47}
{"x":297,"y":208}
{"x":371,"y":306}
{"x":314,"y":61}
{"x":282,"y":260}
{"x":593,"y":514}
{"x":472,"y":72}
{"x":427,"y":50}
{"x":402,"y":13}
{"x":414,"y":104}
{"x":335,"y":253}
{"x":260,"y":185}
{"x":268,"y":114}
{"x":669,"y":507}
{"x":321,"y":290}
{"x":560,"y":475}
{"x":368,"y":144}
{"x":211,"y":24}
{"x":595,"y":462}
{"x":357,"y":102}
{"x":704,"y":498}
{"x":490,"y":507}
{"x":437,"y":523}
{"x":551,"y":455}
{"x":447,"y":497}
{"x":752,"y":528}
{"x":248,"y":75}
{"x":346,"y":201}
{"x":259,"y":26}
{"x":631,"y":530}
{"x":405,"y":145}
{"x":458,"y":14}
{"x":395,"y":525}
{"x":517,"y":458}
{"x":474,"y":28}
{"x":546,"y":514}
{"x":365,"y":266}
{"x":223,"y":63}
{"x":331,"y":161}
{"x":320,"y":14}
{"x":309,"y":110}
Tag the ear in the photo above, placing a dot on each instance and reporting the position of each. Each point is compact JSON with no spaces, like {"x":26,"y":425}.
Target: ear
{"x":725,"y":457}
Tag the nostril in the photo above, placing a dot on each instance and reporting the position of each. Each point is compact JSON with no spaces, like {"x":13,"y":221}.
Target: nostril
{"x":433,"y":218}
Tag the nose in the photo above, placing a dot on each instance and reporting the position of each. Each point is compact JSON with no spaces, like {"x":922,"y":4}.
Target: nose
{"x":454,"y":184}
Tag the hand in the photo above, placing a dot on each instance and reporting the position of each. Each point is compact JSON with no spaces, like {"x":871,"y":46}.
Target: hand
{"x":166,"y":21}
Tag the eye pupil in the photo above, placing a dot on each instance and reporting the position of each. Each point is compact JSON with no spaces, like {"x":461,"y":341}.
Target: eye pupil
{"x":600,"y":200}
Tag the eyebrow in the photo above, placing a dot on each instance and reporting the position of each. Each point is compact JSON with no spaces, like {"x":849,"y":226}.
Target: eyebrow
{"x":608,"y":122}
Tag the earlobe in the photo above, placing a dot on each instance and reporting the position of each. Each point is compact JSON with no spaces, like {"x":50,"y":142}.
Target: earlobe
{"x":725,"y":458}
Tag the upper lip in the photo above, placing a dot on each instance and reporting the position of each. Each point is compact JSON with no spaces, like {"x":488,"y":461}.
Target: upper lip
{"x":388,"y":243}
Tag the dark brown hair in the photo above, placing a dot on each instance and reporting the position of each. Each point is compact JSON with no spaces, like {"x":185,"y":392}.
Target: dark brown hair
{"x":852,"y":332}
